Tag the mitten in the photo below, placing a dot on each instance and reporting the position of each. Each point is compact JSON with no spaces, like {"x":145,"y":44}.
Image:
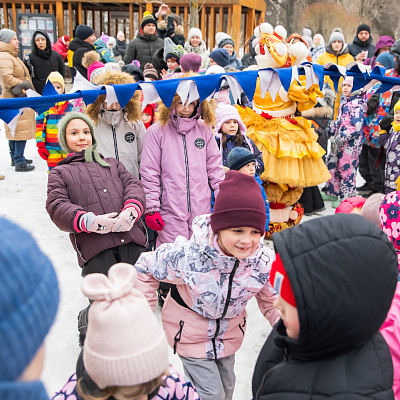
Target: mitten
{"x":373,"y":103}
{"x":102,"y":224}
{"x":125,"y":220}
{"x":154,"y":221}
{"x":43,"y":152}
{"x":386,"y":122}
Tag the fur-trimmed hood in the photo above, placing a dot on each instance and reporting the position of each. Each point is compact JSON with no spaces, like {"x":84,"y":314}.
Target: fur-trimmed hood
{"x":132,"y":109}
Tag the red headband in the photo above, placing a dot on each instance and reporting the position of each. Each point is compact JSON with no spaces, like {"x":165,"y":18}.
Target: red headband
{"x":280,"y":281}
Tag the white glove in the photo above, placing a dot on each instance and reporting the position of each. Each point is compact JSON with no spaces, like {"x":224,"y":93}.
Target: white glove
{"x":99,"y":223}
{"x":125,"y":220}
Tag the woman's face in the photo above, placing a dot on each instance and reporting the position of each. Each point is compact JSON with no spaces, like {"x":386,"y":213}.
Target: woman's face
{"x":337,"y":45}
{"x":41,"y":43}
{"x":195,"y":41}
{"x":229,"y":47}
{"x":14,"y":42}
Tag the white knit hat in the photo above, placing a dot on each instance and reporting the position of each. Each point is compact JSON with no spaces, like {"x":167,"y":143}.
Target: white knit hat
{"x":194,"y":32}
{"x":125,"y":345}
{"x":220,"y":36}
{"x":225,"y":112}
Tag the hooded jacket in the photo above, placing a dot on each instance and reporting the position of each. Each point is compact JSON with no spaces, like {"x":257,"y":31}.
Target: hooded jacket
{"x":76,"y":186}
{"x":80,"y":48}
{"x":61,"y":48}
{"x":358,"y":46}
{"x":142,"y":48}
{"x":41,"y":62}
{"x":383,"y":41}
{"x":201,"y":50}
{"x":343,"y":273}
{"x":119,"y":134}
{"x":105,"y":53}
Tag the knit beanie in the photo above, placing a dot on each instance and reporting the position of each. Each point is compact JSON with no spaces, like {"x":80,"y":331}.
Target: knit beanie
{"x":124,"y":345}
{"x":280,"y":281}
{"x":83,"y":32}
{"x":65,"y":39}
{"x":238,"y":157}
{"x":221,"y":57}
{"x":239,"y":204}
{"x":194,"y":32}
{"x":6,"y":35}
{"x":370,"y":209}
{"x":336,"y":36}
{"x":28,"y":301}
{"x":150,"y":72}
{"x":190,"y":62}
{"x":39,"y":35}
{"x":226,"y":41}
{"x":363,"y":27}
{"x":56,"y":77}
{"x":111,"y":42}
{"x":134,"y":71}
{"x":225,"y":112}
{"x":94,"y":70}
{"x":175,"y":53}
{"x":386,"y":59}
{"x":220,"y":36}
{"x":348,"y":80}
{"x":120,"y":35}
{"x":148,"y":19}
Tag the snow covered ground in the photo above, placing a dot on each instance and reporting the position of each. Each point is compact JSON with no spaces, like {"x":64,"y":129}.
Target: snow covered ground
{"x":22,"y":200}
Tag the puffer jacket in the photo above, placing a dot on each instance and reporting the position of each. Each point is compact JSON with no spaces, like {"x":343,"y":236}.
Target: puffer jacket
{"x":61,"y":48}
{"x":339,"y":353}
{"x":205,"y":316}
{"x":120,"y":48}
{"x":358,"y":46}
{"x":105,"y":54}
{"x":12,"y":72}
{"x":201,"y":50}
{"x":79,"y":48}
{"x":76,"y":187}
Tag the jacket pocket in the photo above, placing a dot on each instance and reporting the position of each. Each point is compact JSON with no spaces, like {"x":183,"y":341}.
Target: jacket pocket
{"x":178,"y":335}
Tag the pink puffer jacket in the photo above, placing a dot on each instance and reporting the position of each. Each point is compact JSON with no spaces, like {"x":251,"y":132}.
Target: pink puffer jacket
{"x":205,"y":317}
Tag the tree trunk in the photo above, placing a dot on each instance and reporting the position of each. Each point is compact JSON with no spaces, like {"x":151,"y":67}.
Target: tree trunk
{"x":194,"y":14}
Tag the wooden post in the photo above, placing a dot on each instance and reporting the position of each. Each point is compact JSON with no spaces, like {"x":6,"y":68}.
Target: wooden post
{"x":250,"y":25}
{"x":50,"y":8}
{"x":14,"y":14}
{"x":229,"y":26}
{"x":131,"y":28}
{"x":221,"y":19}
{"x":236,"y":19}
{"x":149,"y":7}
{"x":79,"y":13}
{"x":261,"y":18}
{"x":60,"y":18}
{"x":5,"y":14}
{"x":140,"y":14}
{"x":41,"y":9}
{"x":32,"y":8}
{"x":185,"y":17}
{"x":70,"y":27}
{"x":211,"y":26}
{"x":22,"y":7}
{"x":203,"y":20}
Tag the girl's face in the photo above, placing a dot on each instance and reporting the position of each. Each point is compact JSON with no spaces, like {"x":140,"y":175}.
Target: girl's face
{"x":78,"y":135}
{"x":14,"y":42}
{"x":248,"y":169}
{"x":185,"y":110}
{"x":146,"y":118}
{"x":230,"y":127}
{"x":111,"y":107}
{"x":229,"y":47}
{"x":397,"y":116}
{"x":239,"y":242}
{"x":346,"y":89}
{"x":337,"y":45}
{"x":290,"y":317}
{"x":172,"y":64}
{"x":195,"y":41}
{"x":58,"y":87}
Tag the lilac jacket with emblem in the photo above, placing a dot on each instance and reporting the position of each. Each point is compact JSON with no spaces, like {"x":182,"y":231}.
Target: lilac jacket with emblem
{"x":76,"y":187}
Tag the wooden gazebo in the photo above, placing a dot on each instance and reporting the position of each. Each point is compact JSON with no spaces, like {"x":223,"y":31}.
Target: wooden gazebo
{"x":237,"y":18}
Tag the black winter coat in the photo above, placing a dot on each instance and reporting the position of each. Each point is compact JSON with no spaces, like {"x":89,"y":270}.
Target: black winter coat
{"x":250,"y":58}
{"x":120,"y":48}
{"x":142,"y":48}
{"x":343,"y":273}
{"x":80,"y":48}
{"x":41,"y":62}
{"x":358,"y":46}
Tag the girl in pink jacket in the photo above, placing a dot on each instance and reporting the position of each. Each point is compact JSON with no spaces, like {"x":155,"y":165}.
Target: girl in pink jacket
{"x":216,"y":273}
{"x":180,"y":167}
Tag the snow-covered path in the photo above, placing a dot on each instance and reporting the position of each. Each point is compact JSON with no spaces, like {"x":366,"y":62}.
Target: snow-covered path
{"x":22,"y":200}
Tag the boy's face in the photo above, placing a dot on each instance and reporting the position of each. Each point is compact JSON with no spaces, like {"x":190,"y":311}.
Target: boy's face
{"x":146,"y":118}
{"x":397,"y":116}
{"x":239,"y":242}
{"x":58,"y":87}
{"x":290,"y":317}
{"x":78,"y":135}
{"x":172,"y":64}
{"x":248,"y":169}
{"x":212,"y":62}
{"x":346,"y":89}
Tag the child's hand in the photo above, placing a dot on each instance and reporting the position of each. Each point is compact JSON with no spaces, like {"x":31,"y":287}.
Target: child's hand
{"x":99,"y":223}
{"x":226,"y":169}
{"x":125,"y":220}
{"x":43,"y":152}
{"x":164,"y":73}
{"x":154,"y":221}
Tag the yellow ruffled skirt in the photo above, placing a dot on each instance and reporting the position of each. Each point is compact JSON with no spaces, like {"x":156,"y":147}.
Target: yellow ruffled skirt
{"x":291,"y":153}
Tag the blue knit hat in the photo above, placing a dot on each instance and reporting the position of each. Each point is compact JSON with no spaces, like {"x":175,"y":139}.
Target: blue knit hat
{"x":221,"y":57}
{"x":239,"y":157}
{"x":29,"y":299}
{"x":386,"y":59}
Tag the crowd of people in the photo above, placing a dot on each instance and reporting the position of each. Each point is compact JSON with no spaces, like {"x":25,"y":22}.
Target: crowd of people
{"x":151,"y":202}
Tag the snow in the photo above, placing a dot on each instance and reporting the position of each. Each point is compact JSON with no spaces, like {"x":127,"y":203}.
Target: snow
{"x":22,"y":200}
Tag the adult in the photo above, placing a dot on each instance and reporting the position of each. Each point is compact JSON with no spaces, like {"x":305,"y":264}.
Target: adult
{"x":196,"y":44}
{"x":14,"y":79}
{"x":228,"y":44}
{"x":318,"y":47}
{"x":145,"y":44}
{"x":383,"y":44}
{"x":362,"y":46}
{"x":250,"y":58}
{"x":43,"y":60}
{"x":62,"y":46}
{"x":171,"y":27}
{"x":120,"y":46}
{"x":336,"y":52}
{"x":82,"y":43}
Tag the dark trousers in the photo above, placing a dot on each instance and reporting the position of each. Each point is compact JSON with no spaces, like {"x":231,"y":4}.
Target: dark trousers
{"x":368,"y":170}
{"x":73,"y":73}
{"x":311,"y":199}
{"x":17,"y":148}
{"x":102,"y":262}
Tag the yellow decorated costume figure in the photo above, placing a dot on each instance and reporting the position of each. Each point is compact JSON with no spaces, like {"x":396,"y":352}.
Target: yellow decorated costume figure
{"x":292,"y":157}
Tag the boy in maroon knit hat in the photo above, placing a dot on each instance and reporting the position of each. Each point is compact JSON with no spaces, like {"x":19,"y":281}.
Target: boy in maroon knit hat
{"x":216,"y":272}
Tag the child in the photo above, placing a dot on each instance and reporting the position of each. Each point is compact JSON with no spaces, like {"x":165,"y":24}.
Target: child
{"x":390,"y":141}
{"x":230,"y":132}
{"x":130,"y":362}
{"x":173,"y":61}
{"x":119,"y":131}
{"x":219,"y":57}
{"x":216,"y":273}
{"x":46,"y":125}
{"x":335,"y":277}
{"x":86,"y":191}
{"x":347,"y":139}
{"x":242,"y":160}
{"x":148,"y":115}
{"x":28,"y":306}
{"x":180,"y":167}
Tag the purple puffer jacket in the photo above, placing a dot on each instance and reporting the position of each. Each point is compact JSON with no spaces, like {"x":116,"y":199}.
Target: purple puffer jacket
{"x":383,"y":41}
{"x":75,"y":187}
{"x":180,"y":166}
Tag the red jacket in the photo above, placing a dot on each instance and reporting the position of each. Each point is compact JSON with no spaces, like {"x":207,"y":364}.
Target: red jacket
{"x":61,"y":48}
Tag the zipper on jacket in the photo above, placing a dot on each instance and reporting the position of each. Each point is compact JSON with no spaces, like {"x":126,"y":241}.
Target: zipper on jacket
{"x":178,"y":336}
{"x":228,"y":298}
{"x":187,"y":174}
{"x":115,"y":143}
